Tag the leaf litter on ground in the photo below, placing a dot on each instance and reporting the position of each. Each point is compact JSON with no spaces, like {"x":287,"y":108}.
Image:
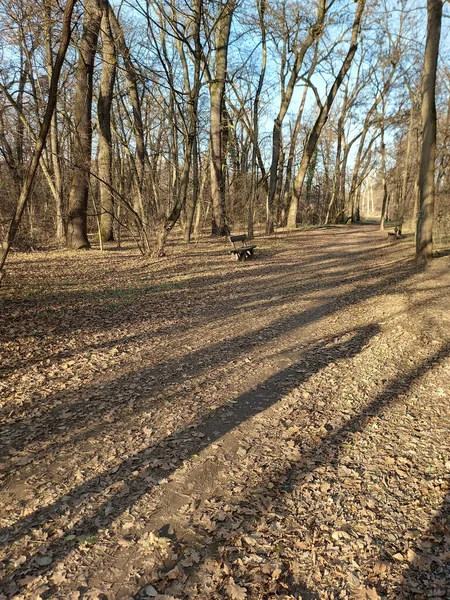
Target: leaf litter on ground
{"x":198,"y":428}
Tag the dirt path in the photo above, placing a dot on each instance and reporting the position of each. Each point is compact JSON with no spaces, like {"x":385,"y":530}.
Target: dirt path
{"x":200,"y":428}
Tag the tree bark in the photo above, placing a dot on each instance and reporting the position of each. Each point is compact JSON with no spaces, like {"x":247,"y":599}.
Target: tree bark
{"x":105,"y":97}
{"x":54,"y":144}
{"x":424,"y":237}
{"x":254,"y":188}
{"x":78,"y":198}
{"x":217,"y":96}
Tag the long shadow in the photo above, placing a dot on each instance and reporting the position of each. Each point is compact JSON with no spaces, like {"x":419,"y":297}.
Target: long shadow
{"x":267,"y":300}
{"x":430,"y":570}
{"x":22,"y":432}
{"x":75,"y":306}
{"x":73,"y":303}
{"x":213,"y":427}
{"x":242,"y":296}
{"x":132,"y":471}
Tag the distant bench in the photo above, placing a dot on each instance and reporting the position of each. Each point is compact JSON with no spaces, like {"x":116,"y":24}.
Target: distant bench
{"x":242,"y":251}
{"x":397,"y":233}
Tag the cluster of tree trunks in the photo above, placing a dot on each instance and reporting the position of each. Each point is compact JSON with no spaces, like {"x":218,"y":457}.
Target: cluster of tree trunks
{"x":165,"y":185}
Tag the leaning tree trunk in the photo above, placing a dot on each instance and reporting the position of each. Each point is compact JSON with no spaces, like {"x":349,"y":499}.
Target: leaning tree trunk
{"x":54,"y":144}
{"x":104,"y":127}
{"x":424,"y":237}
{"x":40,"y":142}
{"x":82,"y":145}
{"x":322,"y":118}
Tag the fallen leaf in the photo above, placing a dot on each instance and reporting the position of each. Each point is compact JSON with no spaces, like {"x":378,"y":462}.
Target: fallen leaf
{"x":381,"y":567}
{"x":353,"y":581}
{"x":236,"y":592}
{"x":59,"y":577}
{"x":372,"y":594}
{"x":276,"y":573}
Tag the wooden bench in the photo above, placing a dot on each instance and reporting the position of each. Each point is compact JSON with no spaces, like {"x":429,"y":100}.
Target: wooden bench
{"x":242,"y":251}
{"x":397,"y":233}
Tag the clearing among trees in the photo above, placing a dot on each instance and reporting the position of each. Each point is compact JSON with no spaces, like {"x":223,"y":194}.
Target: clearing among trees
{"x":200,"y":428}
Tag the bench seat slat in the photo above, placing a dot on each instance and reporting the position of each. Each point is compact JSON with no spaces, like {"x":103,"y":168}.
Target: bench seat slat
{"x":243,"y":249}
{"x":237,"y":238}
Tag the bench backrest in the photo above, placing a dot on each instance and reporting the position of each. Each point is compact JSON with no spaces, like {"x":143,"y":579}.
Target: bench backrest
{"x":237,"y":238}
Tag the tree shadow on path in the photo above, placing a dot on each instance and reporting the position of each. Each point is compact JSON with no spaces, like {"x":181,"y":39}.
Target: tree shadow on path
{"x":428,"y":574}
{"x":24,"y":431}
{"x":102,"y":489}
{"x":431,"y":572}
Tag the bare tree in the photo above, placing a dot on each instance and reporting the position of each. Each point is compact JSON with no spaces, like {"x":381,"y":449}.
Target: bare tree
{"x":188,"y":111}
{"x":40,"y":142}
{"x":104,"y":105}
{"x":82,"y":143}
{"x":424,"y":237}
{"x":54,"y":145}
{"x":323,"y":116}
{"x":217,"y":82}
{"x":261,"y":5}
{"x":300,"y":49}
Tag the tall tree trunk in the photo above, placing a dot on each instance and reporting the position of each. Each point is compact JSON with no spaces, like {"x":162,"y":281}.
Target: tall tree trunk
{"x":424,"y":237}
{"x":404,"y":189}
{"x":338,"y":163}
{"x":349,"y":211}
{"x":292,"y":146}
{"x":40,"y":142}
{"x":276,"y":209}
{"x":20,"y":128}
{"x":384,"y":203}
{"x":192,"y":201}
{"x":82,"y":145}
{"x":217,"y":95}
{"x":314,"y":135}
{"x":105,"y":97}
{"x":254,"y":189}
{"x":54,"y":144}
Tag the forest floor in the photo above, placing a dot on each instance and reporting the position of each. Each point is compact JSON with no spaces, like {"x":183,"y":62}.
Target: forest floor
{"x":198,"y":428}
